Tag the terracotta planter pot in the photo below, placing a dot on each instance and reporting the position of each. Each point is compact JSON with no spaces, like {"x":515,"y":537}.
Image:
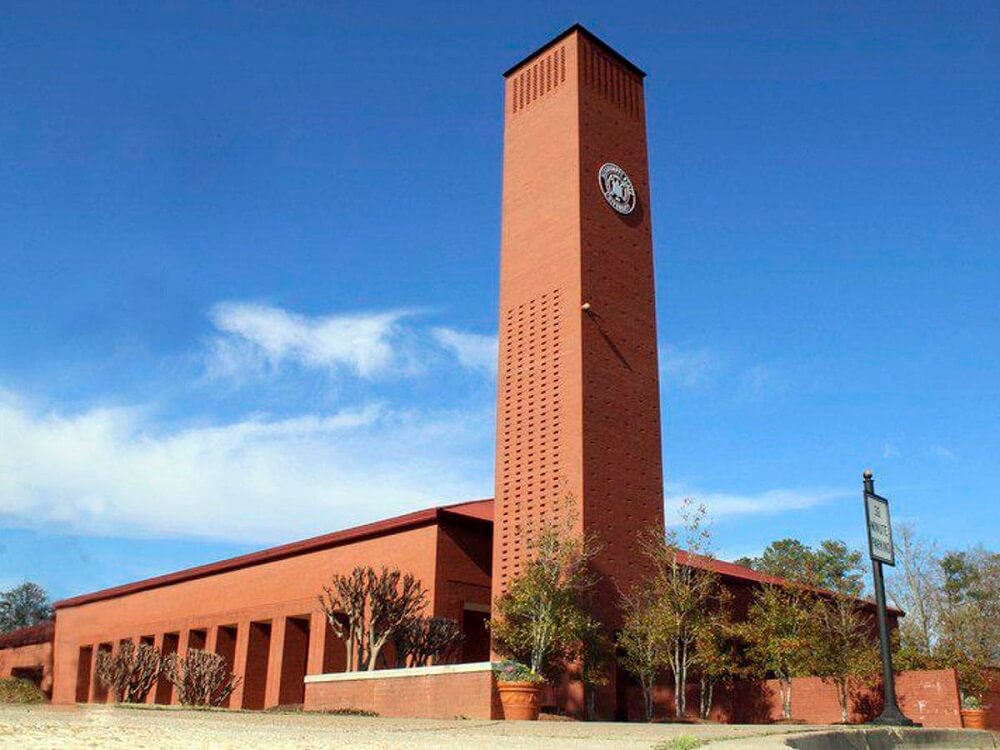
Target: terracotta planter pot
{"x":522,"y":701}
{"x":974,"y":718}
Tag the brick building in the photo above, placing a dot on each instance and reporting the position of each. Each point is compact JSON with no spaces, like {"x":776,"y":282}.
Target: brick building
{"x":577,"y":415}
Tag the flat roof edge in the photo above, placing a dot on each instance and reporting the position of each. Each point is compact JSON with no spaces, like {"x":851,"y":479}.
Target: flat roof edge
{"x":465,"y":512}
{"x":590,"y":37}
{"x":261,"y":557}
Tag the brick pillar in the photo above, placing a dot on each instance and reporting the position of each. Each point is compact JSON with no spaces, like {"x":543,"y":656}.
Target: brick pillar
{"x":182,"y":647}
{"x":317,"y":643}
{"x":211,"y":639}
{"x":274,"y":662}
{"x":157,"y":644}
{"x":93,"y":673}
{"x":240,"y":662}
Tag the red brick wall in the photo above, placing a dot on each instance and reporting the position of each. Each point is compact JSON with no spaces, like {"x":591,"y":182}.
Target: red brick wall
{"x":35,"y":655}
{"x":991,"y":702}
{"x":928,"y":697}
{"x":439,"y":696}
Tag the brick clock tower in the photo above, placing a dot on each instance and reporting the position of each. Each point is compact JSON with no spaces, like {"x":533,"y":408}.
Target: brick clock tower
{"x":578,"y":388}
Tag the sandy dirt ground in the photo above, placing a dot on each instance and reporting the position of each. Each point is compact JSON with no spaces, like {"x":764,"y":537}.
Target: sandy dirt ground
{"x":141,"y":729}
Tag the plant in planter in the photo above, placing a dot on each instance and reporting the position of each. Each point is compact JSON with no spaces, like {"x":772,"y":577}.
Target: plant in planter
{"x":973,"y":713}
{"x":520,"y":690}
{"x":542,"y":620}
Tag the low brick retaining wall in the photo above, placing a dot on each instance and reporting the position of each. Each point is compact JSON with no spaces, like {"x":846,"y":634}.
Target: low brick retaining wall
{"x":442,"y":692}
{"x":930,"y":697}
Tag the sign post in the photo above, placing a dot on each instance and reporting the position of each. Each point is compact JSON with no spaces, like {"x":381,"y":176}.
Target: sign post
{"x":881,"y":551}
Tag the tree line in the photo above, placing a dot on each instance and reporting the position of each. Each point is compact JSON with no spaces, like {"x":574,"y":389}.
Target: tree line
{"x":952,"y":604}
{"x":679,"y":621}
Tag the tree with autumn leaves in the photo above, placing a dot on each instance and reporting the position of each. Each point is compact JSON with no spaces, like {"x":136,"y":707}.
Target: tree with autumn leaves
{"x":675,"y":619}
{"x":815,"y":623}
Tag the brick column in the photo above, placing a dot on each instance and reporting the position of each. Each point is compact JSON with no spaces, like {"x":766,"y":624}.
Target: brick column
{"x":182,"y":647}
{"x":273,"y":685}
{"x":211,"y":638}
{"x":240,"y":662}
{"x":93,"y":672}
{"x":317,"y":643}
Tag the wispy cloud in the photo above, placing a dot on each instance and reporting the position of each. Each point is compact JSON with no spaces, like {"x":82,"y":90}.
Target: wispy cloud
{"x":257,"y":479}
{"x":681,"y":368}
{"x":253,"y":340}
{"x":475,"y":351}
{"x":722,"y":505}
{"x":889,"y":451}
{"x":254,"y":336}
{"x":755,"y":380}
{"x":945,"y":454}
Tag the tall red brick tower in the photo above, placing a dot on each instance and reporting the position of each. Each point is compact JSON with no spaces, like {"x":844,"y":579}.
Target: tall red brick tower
{"x":578,"y":393}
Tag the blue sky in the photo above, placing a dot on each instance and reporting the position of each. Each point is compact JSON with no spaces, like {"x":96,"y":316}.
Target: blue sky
{"x":248,"y":267}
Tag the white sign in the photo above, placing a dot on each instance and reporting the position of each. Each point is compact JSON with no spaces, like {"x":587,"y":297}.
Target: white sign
{"x":879,"y":529}
{"x":617,"y":188}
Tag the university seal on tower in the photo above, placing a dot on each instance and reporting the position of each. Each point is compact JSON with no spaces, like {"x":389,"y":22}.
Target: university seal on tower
{"x":617,"y":188}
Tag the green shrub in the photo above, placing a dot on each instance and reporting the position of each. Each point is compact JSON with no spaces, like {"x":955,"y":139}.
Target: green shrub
{"x":514,"y":671}
{"x":971,"y":702}
{"x":14,"y":690}
{"x":684,"y":742}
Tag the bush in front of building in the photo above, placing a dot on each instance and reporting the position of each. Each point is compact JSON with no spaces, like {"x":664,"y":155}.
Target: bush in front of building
{"x":426,"y":640}
{"x":16,"y":690}
{"x":130,"y":672}
{"x":201,"y":678}
{"x":369,"y":610}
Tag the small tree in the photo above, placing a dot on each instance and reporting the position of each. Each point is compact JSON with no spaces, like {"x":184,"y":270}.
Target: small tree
{"x":777,"y":633}
{"x":915,"y":588}
{"x":842,"y":650}
{"x":345,"y":602}
{"x":594,"y":659}
{"x":129,"y":673}
{"x":22,"y":606}
{"x":717,"y":659}
{"x":366,"y":609}
{"x":201,"y":678}
{"x":426,"y":640}
{"x":643,"y":650}
{"x":542,"y":617}
{"x":394,"y":600}
{"x":684,"y":591}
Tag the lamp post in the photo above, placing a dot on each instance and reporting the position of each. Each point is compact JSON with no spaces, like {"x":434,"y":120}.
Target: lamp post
{"x":881,"y":551}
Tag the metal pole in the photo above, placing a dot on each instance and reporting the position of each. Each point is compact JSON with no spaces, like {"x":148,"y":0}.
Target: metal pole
{"x":891,"y":714}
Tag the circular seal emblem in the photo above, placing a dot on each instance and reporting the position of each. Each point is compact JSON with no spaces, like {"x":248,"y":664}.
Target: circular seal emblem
{"x":617,"y":188}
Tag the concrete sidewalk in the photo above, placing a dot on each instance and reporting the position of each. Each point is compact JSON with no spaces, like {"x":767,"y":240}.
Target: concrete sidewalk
{"x":149,"y":728}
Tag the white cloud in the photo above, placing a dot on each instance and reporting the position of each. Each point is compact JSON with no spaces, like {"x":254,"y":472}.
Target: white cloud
{"x":255,"y":336}
{"x":889,"y":451}
{"x":685,"y":369}
{"x":722,"y":505}
{"x":755,"y":380}
{"x":945,"y":454}
{"x":475,"y":351}
{"x":258,"y":479}
{"x":253,"y":340}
